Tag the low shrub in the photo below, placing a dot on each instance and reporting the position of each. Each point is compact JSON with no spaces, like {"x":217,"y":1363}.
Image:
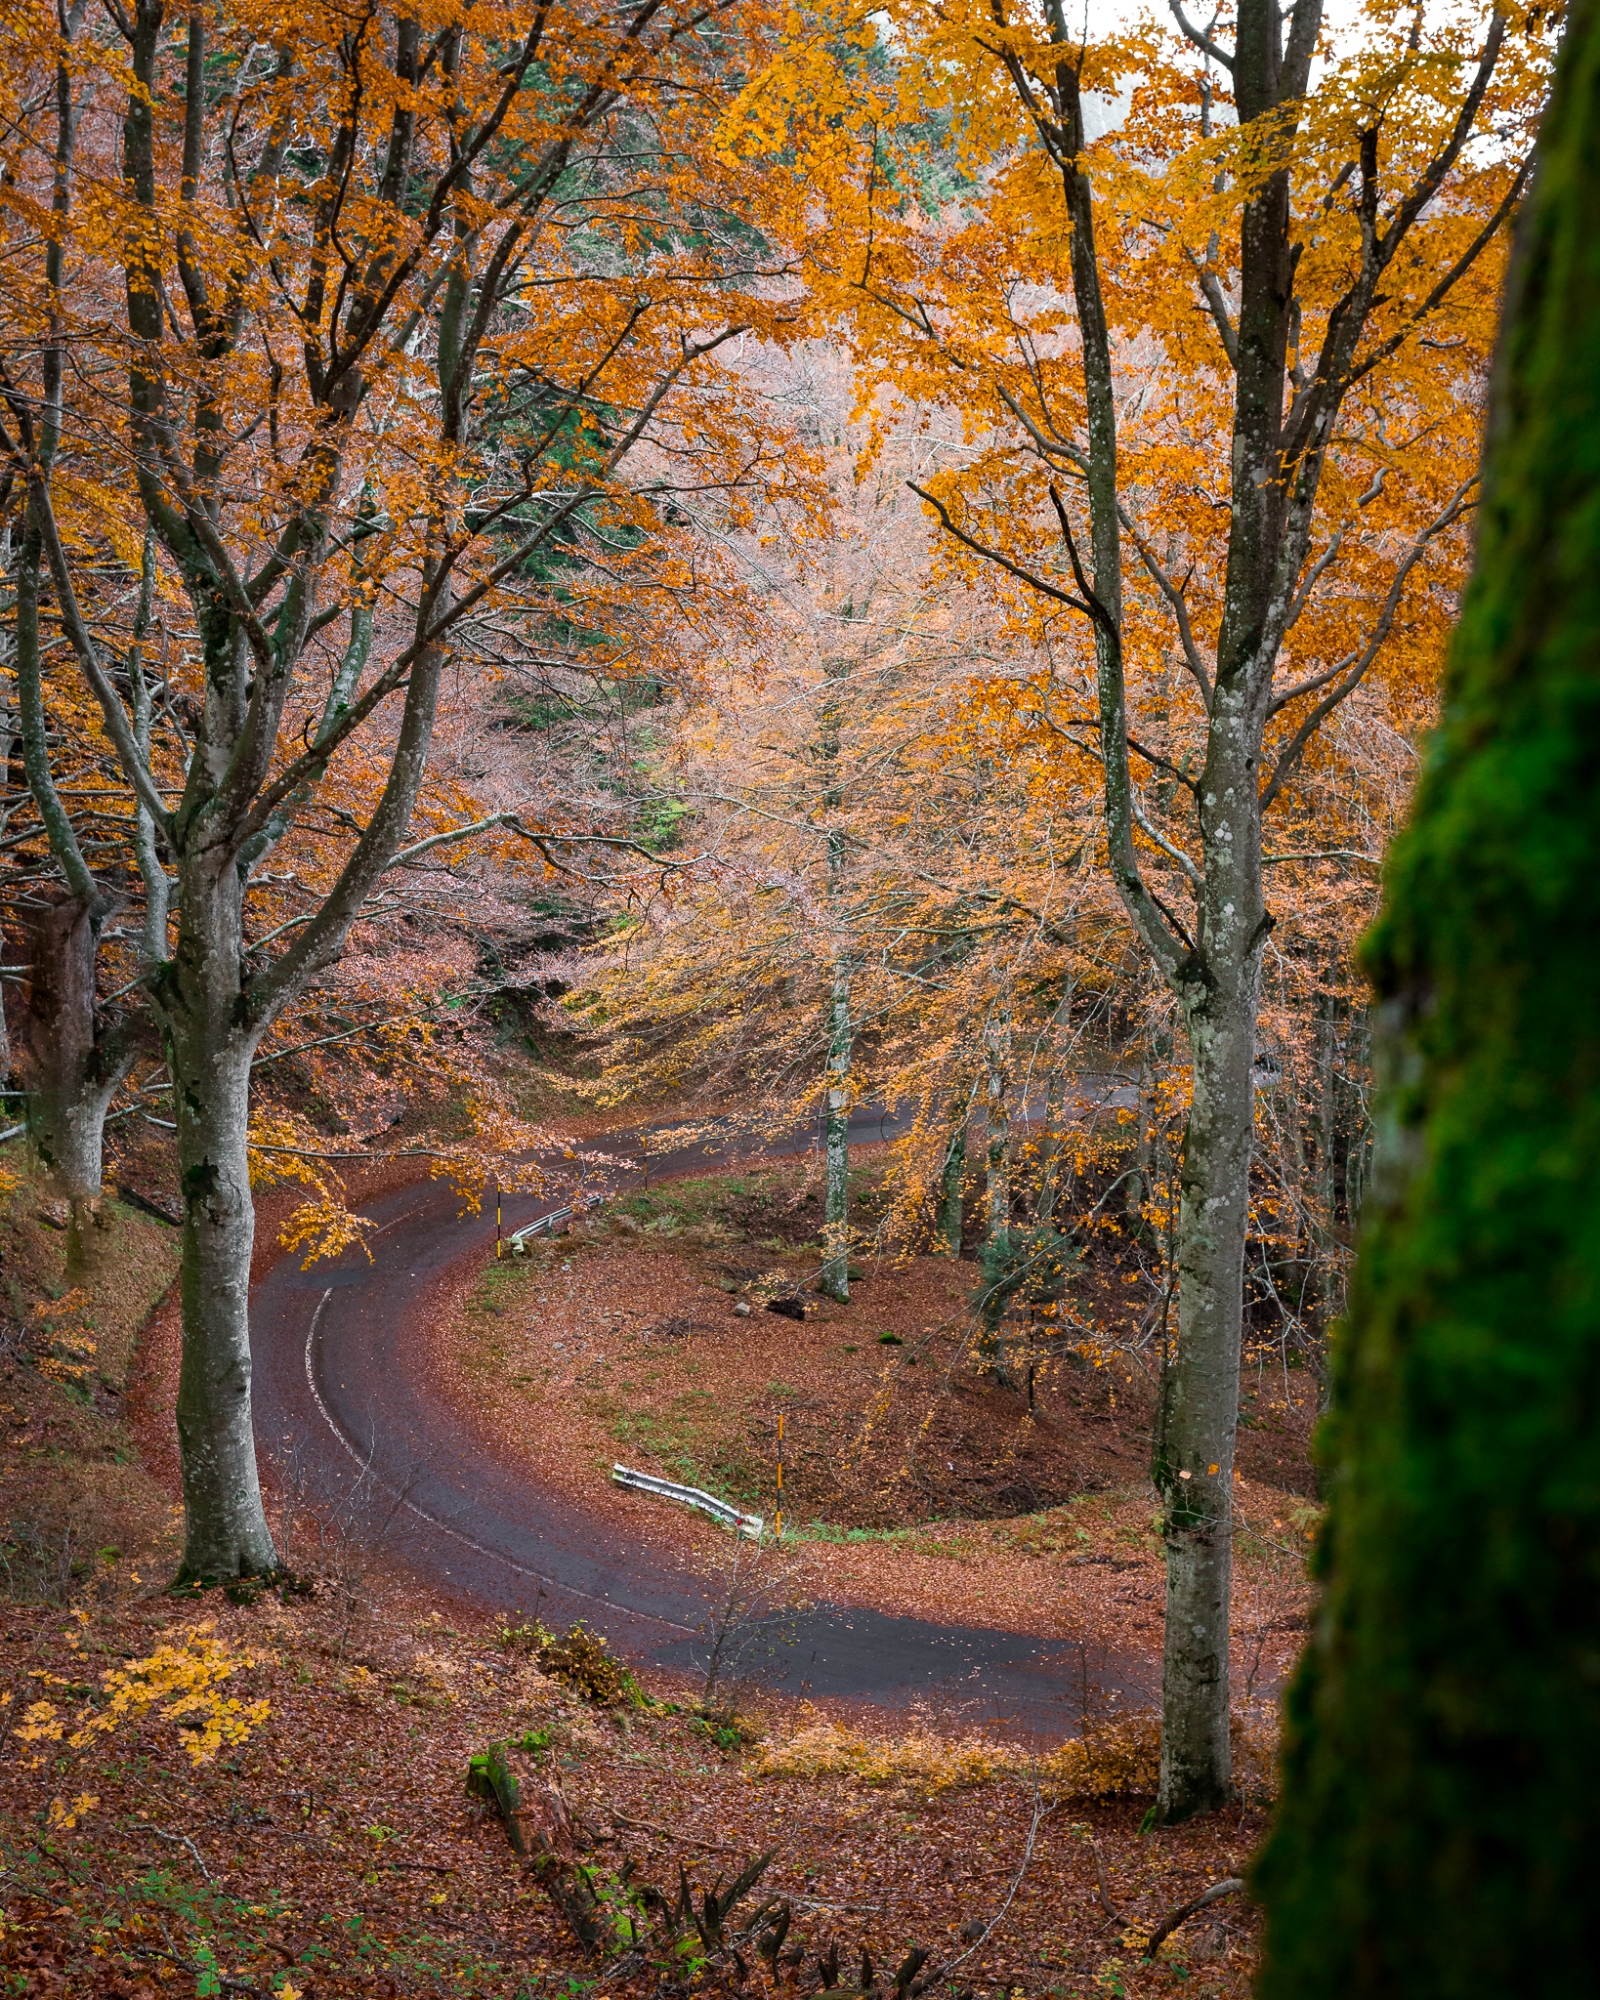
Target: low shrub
{"x":1119,"y":1758}
{"x":927,"y":1763}
{"x":580,"y":1659}
{"x":1112,"y":1760}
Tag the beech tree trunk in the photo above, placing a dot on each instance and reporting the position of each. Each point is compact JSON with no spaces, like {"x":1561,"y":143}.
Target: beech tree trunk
{"x":835,"y":1279}
{"x":997,"y":1125}
{"x":1193,"y":1458}
{"x":227,"y":1532}
{"x":1051,"y":1150}
{"x":834,"y":1282}
{"x":71,"y":1062}
{"x":1139,"y":1180}
{"x":996,"y":1189}
{"x":71,"y":1074}
{"x":209,"y":1057}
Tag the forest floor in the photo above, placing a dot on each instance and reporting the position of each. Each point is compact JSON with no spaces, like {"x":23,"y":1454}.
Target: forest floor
{"x":328,"y":1846}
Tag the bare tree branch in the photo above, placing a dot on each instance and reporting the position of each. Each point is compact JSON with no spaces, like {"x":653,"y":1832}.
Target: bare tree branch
{"x":1211,"y":291}
{"x":1176,"y":599}
{"x":1202,"y":41}
{"x":998,"y":557}
{"x":1185,"y":1911}
{"x":1290,"y":756}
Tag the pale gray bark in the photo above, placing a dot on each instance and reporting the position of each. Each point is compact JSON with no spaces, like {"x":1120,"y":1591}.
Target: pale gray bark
{"x":157,"y":885}
{"x":996,"y":1180}
{"x":1283,"y":428}
{"x":1325,"y":1114}
{"x":1051,"y":1154}
{"x":70,"y":1060}
{"x":1193,"y":1458}
{"x":1139,"y":1189}
{"x":997,"y":1121}
{"x":1050,"y":1148}
{"x":71,"y":1071}
{"x":834,"y":1282}
{"x":226,"y":1532}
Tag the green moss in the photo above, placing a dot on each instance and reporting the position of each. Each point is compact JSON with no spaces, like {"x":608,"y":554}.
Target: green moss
{"x":1442,"y":1761}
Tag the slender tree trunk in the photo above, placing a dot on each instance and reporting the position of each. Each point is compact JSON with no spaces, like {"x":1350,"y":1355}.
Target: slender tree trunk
{"x":1050,"y":1148}
{"x":835,"y":1279}
{"x":1215,"y":984}
{"x":71,"y":1075}
{"x":226,"y":1530}
{"x":71,"y":1070}
{"x":1138,"y":1190}
{"x":997,"y":1125}
{"x":953,"y":1177}
{"x":12,"y":770}
{"x":1194,"y":1465}
{"x":1193,"y":1460}
{"x":1320,"y":1171}
{"x":996,"y":1184}
{"x":1357,"y":1165}
{"x":147,"y":852}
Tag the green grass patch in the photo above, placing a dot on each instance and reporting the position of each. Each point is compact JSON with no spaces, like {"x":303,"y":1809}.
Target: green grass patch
{"x":503,"y":1282}
{"x":687,"y":1441}
{"x":923,"y":1540}
{"x":770,"y":1208}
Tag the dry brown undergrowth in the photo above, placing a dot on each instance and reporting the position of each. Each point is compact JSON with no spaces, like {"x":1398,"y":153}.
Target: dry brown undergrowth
{"x":77,"y":1512}
{"x":1116,"y":1758}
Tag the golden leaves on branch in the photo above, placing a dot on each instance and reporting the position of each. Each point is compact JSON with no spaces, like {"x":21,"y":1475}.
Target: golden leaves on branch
{"x":181,"y":1683}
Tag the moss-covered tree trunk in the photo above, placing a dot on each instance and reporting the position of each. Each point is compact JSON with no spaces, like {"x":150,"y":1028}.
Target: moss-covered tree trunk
{"x":1441,"y":1801}
{"x":953,"y":1178}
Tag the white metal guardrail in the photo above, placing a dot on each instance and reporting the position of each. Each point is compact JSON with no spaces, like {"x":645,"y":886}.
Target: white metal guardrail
{"x":690,"y":1496}
{"x":518,"y":1237}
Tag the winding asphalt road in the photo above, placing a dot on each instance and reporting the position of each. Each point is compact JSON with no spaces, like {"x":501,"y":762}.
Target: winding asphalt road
{"x":348,"y":1415}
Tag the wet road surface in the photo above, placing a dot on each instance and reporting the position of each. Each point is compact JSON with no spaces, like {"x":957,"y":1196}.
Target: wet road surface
{"x":348,"y":1415}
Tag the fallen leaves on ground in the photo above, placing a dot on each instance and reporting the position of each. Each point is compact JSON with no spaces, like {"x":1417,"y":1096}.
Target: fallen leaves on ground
{"x":337,"y":1848}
